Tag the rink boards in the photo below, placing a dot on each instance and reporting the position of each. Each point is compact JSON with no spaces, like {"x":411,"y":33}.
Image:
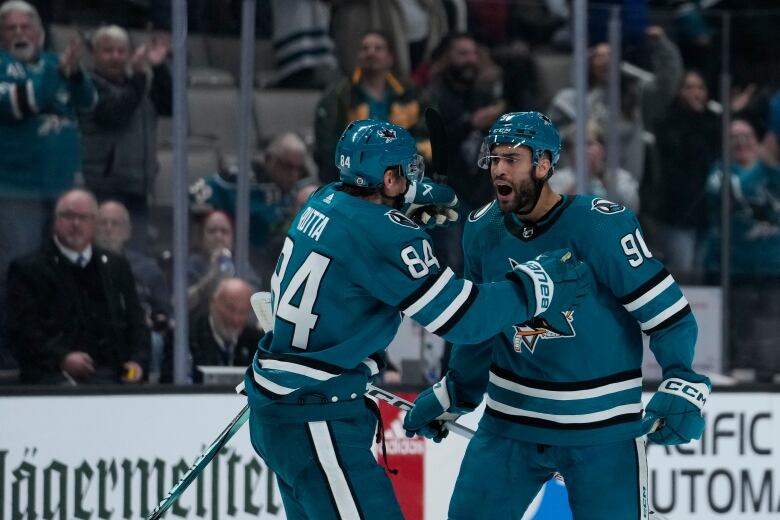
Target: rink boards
{"x":111,"y":457}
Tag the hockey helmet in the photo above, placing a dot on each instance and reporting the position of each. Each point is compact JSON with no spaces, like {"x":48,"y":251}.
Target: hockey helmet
{"x":531,"y":129}
{"x":369,"y":146}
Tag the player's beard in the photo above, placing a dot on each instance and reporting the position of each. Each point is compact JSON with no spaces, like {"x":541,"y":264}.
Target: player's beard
{"x":524,"y":194}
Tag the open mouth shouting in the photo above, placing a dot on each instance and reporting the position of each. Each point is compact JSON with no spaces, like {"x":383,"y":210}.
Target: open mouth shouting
{"x":504,"y":191}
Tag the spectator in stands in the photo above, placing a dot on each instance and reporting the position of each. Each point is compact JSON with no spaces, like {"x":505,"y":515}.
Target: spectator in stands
{"x":303,"y":49}
{"x":74,"y":314}
{"x":222,"y":334}
{"x":622,"y":189}
{"x":283,"y":169}
{"x":755,"y":217}
{"x":688,"y":143}
{"x":468,"y":110}
{"x":39,"y":139}
{"x":754,"y":252}
{"x":226,"y":335}
{"x":119,"y":142}
{"x":114,"y":230}
{"x":213,"y":261}
{"x":414,"y":29}
{"x":372,"y":92}
{"x":642,"y":100}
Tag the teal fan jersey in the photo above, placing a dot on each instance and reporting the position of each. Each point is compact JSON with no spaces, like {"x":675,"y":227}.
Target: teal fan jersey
{"x":582,"y":385}
{"x":347,"y":267}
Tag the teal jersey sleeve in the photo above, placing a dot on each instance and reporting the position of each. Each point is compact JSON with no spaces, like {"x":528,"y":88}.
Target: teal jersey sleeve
{"x":621,"y":260}
{"x":406,"y":274}
{"x":25,"y":91}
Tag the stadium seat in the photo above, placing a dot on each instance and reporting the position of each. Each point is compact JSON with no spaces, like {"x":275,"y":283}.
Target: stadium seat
{"x":214,"y":114}
{"x":196,"y":46}
{"x":553,"y":72}
{"x":203,"y":160}
{"x":281,"y":110}
{"x":164,"y":131}
{"x":209,"y":77}
{"x":225,"y":53}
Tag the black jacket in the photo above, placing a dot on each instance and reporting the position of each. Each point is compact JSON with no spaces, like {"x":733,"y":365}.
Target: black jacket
{"x":687,"y":144}
{"x":204,"y":349}
{"x":46,"y":320}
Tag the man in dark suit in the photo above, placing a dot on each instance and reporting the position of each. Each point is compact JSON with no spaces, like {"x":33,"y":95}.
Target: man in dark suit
{"x":73,"y":309}
{"x":225,"y":336}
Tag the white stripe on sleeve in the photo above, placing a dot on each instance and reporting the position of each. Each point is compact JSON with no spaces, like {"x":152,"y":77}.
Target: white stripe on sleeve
{"x":650,"y":295}
{"x":453,"y":307}
{"x":431,"y":293}
{"x":665,"y":314}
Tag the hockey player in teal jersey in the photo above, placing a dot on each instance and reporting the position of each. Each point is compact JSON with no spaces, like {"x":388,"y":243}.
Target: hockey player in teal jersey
{"x":351,"y":264}
{"x":564,"y":395}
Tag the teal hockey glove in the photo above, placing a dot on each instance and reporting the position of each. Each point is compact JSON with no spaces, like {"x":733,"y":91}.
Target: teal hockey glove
{"x":430,"y":204}
{"x":554,"y":282}
{"x":432,"y":407}
{"x":675,"y":409}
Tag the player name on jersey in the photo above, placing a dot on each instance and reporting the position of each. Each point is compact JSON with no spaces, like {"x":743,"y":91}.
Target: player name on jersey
{"x":312,"y":223}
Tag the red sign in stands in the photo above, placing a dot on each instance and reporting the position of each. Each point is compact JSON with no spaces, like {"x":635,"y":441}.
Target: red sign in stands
{"x":407,"y":456}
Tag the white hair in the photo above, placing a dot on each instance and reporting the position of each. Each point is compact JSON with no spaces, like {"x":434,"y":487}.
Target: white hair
{"x":286,"y":142}
{"x":113,"y":32}
{"x":20,"y":6}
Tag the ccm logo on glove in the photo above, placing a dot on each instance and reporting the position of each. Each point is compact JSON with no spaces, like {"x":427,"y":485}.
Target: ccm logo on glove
{"x":696,"y":393}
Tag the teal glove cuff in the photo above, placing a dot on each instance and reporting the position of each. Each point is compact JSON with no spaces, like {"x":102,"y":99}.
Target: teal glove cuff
{"x":430,"y":204}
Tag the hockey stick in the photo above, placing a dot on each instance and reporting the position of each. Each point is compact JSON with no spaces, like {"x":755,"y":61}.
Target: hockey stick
{"x":403,"y":404}
{"x":438,"y":136}
{"x":261,"y":304}
{"x":200,"y":464}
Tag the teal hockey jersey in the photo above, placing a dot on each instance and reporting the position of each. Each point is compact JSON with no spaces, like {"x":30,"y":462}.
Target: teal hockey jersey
{"x":347,"y":267}
{"x":39,"y":134}
{"x":582,"y":385}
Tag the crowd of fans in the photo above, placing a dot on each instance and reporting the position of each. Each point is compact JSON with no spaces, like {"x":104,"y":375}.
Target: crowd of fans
{"x":85,"y":292}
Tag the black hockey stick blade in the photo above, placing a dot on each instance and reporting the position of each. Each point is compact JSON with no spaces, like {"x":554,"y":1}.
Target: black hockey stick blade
{"x":438,"y":136}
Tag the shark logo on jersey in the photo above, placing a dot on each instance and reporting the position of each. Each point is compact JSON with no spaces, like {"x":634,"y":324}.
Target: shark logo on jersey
{"x":396,"y":217}
{"x":388,"y":134}
{"x":607,"y":207}
{"x":529,"y":333}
